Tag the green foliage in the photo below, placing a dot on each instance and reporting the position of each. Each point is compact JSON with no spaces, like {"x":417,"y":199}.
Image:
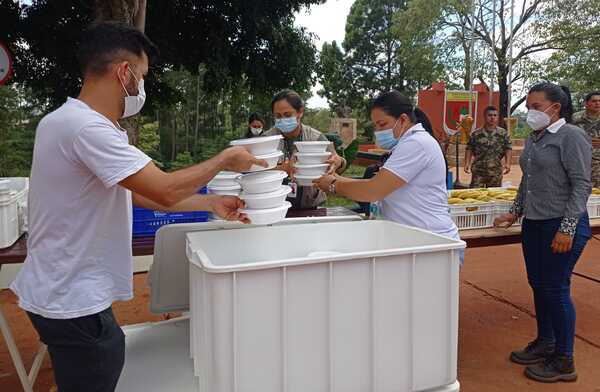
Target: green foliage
{"x":239,"y":42}
{"x":376,"y":57}
{"x":18,"y":121}
{"x":319,"y":119}
{"x":183,"y":160}
{"x":577,"y":64}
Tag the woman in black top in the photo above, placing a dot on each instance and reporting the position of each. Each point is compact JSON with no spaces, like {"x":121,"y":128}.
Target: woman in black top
{"x":552,"y":199}
{"x":256,"y":126}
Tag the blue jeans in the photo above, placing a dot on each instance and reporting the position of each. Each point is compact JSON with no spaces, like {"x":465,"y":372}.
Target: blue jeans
{"x":549,"y":275}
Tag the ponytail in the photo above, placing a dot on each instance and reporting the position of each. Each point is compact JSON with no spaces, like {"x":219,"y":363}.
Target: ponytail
{"x":421,"y":117}
{"x":566,"y":108}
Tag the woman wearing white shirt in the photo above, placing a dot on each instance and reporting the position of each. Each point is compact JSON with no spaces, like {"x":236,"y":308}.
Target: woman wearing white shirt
{"x":412,"y":184}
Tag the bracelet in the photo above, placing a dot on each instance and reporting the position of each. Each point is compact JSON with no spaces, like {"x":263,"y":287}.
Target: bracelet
{"x":332,"y":187}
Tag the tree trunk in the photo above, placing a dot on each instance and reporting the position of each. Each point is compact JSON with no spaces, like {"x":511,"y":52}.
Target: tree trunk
{"x":503,"y":87}
{"x":131,"y":12}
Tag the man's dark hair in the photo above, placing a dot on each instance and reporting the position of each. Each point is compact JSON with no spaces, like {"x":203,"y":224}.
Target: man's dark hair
{"x":590,"y":95}
{"x":104,"y":43}
{"x":490,"y":109}
{"x":292,"y":97}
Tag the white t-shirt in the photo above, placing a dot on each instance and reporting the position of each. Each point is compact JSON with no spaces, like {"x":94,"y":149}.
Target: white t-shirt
{"x":79,"y":257}
{"x":423,"y":201}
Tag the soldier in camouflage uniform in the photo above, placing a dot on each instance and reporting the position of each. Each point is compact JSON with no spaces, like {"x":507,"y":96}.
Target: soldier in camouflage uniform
{"x":589,"y":121}
{"x":488,"y":152}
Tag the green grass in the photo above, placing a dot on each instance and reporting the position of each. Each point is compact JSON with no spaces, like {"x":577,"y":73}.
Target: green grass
{"x":338,"y":201}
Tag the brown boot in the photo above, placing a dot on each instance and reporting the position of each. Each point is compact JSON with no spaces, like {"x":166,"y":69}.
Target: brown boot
{"x":554,"y":369}
{"x":535,"y":352}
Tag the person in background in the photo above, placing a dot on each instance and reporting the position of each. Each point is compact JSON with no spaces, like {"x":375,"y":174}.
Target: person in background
{"x":589,"y":121}
{"x":84,"y":179}
{"x":552,"y":199}
{"x":488,"y":153}
{"x":288,"y":109}
{"x":256,"y":125}
{"x":411,"y":185}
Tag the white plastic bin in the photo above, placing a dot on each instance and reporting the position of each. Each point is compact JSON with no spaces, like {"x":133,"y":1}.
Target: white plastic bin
{"x":336,"y":307}
{"x":13,"y":209}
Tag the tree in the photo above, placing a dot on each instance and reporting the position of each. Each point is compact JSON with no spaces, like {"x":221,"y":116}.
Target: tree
{"x":535,"y":29}
{"x":237,"y":41}
{"x":379,"y":57}
{"x":334,"y":75}
{"x":376,"y":57}
{"x":576,"y":65}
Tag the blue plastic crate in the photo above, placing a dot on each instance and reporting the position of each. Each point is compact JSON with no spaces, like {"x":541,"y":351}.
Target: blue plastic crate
{"x":147,"y":222}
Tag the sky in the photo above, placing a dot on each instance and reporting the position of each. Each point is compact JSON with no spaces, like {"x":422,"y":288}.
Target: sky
{"x":328,"y":22}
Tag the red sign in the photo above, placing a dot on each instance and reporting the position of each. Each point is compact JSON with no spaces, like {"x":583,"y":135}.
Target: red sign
{"x":5,"y":64}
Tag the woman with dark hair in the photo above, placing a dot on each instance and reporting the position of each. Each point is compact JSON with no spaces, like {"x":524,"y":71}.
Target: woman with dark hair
{"x":256,"y":125}
{"x":412,"y":183}
{"x":552,"y":198}
{"x":288,"y":109}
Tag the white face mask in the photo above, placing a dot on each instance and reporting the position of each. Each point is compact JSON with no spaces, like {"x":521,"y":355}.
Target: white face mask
{"x":134,"y":103}
{"x":256,"y":131}
{"x":538,"y":120}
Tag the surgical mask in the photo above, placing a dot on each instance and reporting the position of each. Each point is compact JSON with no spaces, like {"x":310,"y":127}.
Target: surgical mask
{"x":134,"y":103}
{"x":256,"y":131}
{"x":386,"y":139}
{"x":286,"y":125}
{"x":538,"y":120}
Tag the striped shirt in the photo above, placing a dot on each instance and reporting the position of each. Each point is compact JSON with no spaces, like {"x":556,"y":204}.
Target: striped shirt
{"x":556,"y":183}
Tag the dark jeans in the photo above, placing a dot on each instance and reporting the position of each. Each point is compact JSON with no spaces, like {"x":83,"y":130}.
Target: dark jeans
{"x":87,"y":353}
{"x":549,"y":276}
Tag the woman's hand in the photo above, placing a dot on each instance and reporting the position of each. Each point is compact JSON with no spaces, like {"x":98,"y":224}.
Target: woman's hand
{"x":324,"y":182}
{"x":505,"y":221}
{"x":562,"y":243}
{"x":335,"y":162}
{"x":226,"y":207}
{"x":288,"y":167}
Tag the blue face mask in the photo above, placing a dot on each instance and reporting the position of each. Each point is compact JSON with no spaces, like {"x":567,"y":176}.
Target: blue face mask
{"x":386,"y":139}
{"x":286,"y":125}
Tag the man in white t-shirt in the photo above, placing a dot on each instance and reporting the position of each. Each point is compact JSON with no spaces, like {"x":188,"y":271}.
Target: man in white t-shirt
{"x":84,"y":179}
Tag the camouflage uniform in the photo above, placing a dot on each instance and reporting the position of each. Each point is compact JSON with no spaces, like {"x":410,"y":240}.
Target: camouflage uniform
{"x":307,"y":196}
{"x":488,"y":147}
{"x":592,"y":128}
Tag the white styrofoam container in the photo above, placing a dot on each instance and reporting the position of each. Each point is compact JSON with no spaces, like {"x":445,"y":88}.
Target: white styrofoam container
{"x":224,"y":179}
{"x":312,"y":158}
{"x":271,"y":160}
{"x":261,"y":145}
{"x":13,"y":209}
{"x":311,"y":170}
{"x":262,"y":182}
{"x":373,"y":308}
{"x":266,"y":200}
{"x":312,"y":147}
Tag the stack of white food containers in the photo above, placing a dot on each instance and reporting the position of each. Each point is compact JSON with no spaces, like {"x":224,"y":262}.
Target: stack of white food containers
{"x":225,"y":183}
{"x":262,"y":189}
{"x":265,"y":196}
{"x":311,"y":157}
{"x":264,"y":147}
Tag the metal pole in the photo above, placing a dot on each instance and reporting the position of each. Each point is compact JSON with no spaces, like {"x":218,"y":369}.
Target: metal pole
{"x":493,"y":49}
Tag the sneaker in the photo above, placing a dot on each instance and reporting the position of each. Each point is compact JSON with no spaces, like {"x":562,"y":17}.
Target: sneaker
{"x":535,"y":352}
{"x":554,"y":369}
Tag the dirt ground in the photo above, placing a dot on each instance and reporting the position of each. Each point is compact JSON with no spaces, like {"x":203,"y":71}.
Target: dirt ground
{"x":496,"y":316}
